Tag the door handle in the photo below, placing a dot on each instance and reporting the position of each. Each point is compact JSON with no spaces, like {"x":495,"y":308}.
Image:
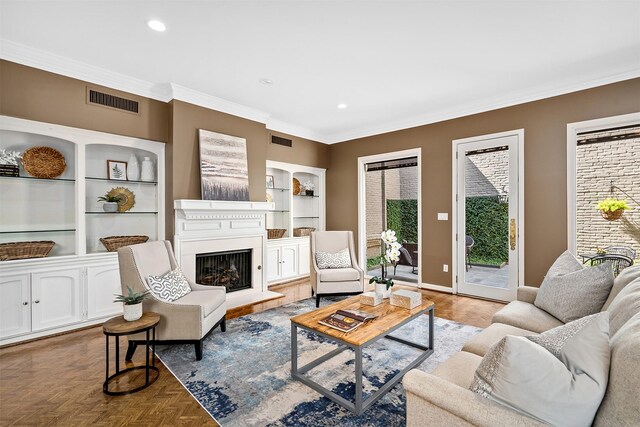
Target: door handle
{"x":512,"y":234}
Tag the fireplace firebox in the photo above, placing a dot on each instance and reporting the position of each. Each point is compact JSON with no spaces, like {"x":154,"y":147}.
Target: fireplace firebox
{"x":231,"y":269}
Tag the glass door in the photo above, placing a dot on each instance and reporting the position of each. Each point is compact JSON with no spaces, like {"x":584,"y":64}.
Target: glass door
{"x":487,"y":217}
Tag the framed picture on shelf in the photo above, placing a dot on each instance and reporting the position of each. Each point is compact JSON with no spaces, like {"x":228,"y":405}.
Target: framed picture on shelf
{"x":270,"y":181}
{"x":117,"y":170}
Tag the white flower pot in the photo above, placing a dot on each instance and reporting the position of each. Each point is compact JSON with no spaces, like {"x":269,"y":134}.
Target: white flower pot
{"x":381,"y":289}
{"x":132,"y":312}
{"x":110,"y":206}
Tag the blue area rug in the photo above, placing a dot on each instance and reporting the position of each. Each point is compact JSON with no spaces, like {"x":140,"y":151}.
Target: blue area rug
{"x":244,"y":376}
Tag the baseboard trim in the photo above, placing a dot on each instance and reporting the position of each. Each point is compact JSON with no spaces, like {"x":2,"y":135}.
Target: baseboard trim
{"x":438,"y":288}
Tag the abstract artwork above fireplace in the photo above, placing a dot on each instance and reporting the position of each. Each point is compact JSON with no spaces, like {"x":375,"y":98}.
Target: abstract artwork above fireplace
{"x":224,"y":174}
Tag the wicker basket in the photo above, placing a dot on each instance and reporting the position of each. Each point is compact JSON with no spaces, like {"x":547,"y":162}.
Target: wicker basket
{"x":303,"y":231}
{"x":612,"y":215}
{"x":275,"y":233}
{"x":112,"y":243}
{"x":25,"y":250}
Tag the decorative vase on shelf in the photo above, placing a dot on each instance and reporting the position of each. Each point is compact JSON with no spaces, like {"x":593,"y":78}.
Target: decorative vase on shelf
{"x":132,"y":312}
{"x":110,"y":207}
{"x":133,"y":168}
{"x":147,"y":173}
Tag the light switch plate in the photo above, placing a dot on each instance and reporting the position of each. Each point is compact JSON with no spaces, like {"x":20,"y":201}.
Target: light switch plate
{"x":443,"y":216}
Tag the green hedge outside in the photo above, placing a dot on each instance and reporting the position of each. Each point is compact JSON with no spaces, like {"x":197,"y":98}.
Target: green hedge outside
{"x":402,"y":217}
{"x":488,"y":224}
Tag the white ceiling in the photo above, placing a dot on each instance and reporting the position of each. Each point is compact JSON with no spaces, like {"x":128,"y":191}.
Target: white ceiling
{"x":395,"y":64}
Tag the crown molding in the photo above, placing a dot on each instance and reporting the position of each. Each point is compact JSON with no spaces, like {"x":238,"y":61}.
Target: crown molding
{"x":515,"y":98}
{"x":165,"y":92}
{"x":36,"y":58}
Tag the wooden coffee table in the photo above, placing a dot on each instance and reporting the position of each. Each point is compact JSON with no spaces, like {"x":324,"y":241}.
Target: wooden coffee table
{"x":389,"y":319}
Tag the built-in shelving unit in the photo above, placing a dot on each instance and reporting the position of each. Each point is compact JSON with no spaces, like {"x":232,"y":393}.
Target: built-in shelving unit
{"x":75,"y":283}
{"x":288,"y":257}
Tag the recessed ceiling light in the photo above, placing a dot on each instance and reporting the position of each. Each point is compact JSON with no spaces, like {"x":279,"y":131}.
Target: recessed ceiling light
{"x":342,"y":106}
{"x":266,"y":81}
{"x":156,"y":25}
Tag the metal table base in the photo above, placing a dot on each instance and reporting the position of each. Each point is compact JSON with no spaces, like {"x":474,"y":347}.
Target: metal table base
{"x":358,"y":406}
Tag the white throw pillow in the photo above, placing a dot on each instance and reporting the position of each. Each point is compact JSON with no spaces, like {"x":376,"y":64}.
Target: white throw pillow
{"x":170,"y":286}
{"x":341,"y":259}
{"x":570,"y":290}
{"x":558,"y":377}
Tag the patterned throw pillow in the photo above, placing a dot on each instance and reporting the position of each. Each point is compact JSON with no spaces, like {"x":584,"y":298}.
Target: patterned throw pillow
{"x":558,"y":377}
{"x":341,"y":259}
{"x":170,"y":286}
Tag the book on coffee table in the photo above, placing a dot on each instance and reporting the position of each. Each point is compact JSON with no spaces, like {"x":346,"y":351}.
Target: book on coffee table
{"x":347,"y":320}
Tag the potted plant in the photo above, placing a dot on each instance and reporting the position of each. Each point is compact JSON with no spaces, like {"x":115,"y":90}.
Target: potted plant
{"x":611,"y":208}
{"x":110,"y":202}
{"x":391,"y":250}
{"x":132,"y":303}
{"x":308,"y":188}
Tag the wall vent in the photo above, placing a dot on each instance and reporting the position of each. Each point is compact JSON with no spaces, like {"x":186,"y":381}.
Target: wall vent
{"x":281,"y":141}
{"x":112,"y":101}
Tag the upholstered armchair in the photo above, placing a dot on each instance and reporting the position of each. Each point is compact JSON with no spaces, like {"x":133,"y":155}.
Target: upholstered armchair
{"x":187,"y":320}
{"x":334,"y":281}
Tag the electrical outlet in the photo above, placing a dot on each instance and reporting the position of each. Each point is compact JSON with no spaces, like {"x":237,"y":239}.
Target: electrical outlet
{"x":445,"y":268}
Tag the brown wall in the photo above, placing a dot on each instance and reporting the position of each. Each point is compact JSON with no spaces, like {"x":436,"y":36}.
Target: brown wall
{"x":33,"y":94}
{"x":545,"y":146}
{"x":183,"y":181}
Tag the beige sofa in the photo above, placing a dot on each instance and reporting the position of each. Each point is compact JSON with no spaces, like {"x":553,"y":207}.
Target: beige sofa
{"x":443,"y":398}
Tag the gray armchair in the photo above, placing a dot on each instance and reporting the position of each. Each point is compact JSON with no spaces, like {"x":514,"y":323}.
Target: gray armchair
{"x":334,"y":281}
{"x":187,"y":320}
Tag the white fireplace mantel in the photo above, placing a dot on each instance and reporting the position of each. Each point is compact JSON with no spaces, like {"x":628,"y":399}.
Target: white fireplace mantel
{"x":212,"y":226}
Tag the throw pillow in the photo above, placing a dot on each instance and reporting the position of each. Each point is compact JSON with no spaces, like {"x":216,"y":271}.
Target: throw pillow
{"x":170,"y":286}
{"x":570,"y":291}
{"x":341,"y":259}
{"x":558,"y":377}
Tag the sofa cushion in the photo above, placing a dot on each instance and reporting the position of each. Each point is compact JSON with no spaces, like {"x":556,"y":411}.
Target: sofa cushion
{"x":208,"y":300}
{"x":526,"y":316}
{"x":339,"y":274}
{"x":480,"y":343}
{"x":169,"y":286}
{"x":627,"y":276}
{"x":340,"y":259}
{"x":459,"y":368}
{"x":621,"y":406}
{"x":624,"y":306}
{"x":558,"y":377}
{"x":569,"y":294}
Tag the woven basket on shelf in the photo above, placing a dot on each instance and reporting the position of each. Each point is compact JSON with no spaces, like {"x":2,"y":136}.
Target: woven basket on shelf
{"x":25,"y":250}
{"x":112,"y":243}
{"x":43,"y":162}
{"x":612,"y":215}
{"x":303,"y":231}
{"x":275,"y":233}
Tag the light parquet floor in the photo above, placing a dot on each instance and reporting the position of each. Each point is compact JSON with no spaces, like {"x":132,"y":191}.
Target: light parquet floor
{"x":57,"y":381}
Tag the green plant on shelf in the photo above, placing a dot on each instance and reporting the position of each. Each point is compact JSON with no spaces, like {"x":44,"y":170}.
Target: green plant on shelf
{"x":110,"y":198}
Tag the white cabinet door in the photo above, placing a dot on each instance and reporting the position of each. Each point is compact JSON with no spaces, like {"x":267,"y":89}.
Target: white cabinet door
{"x":289,"y":261}
{"x":15,"y":305}
{"x":55,"y":297}
{"x":273,"y":264}
{"x":102,"y":283}
{"x":304,"y":259}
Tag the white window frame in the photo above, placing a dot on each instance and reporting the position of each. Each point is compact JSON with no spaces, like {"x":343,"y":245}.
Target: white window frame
{"x":362,"y":203}
{"x":573,"y":129}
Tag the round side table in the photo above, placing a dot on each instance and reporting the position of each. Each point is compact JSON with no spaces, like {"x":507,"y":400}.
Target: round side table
{"x":117,"y":327}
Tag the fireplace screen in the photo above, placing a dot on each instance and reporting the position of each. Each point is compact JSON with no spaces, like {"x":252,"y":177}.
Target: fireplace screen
{"x":230,"y":269}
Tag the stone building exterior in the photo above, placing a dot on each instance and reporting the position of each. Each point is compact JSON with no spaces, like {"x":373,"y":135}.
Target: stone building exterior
{"x":597,"y":165}
{"x":487,"y":174}
{"x":391,"y":184}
